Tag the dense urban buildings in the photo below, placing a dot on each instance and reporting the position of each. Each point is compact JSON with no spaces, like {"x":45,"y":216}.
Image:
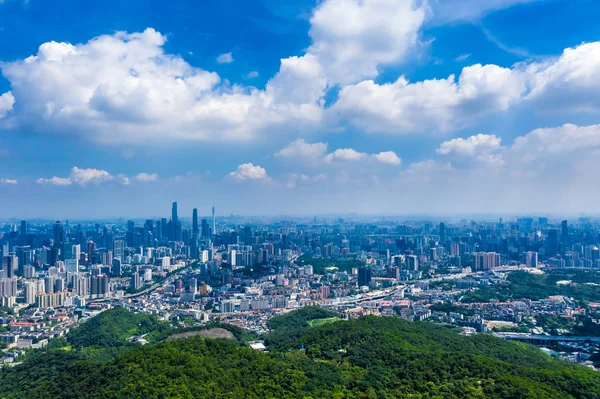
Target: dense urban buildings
{"x":247,"y":270}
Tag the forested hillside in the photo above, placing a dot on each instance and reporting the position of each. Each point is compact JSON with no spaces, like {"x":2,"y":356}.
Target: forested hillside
{"x":367,"y":358}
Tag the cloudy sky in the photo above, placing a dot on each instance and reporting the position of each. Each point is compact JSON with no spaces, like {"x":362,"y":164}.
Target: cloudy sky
{"x":112,"y":108}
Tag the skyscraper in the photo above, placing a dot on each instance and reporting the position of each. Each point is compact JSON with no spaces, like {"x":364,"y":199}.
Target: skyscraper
{"x":442,"y":233}
{"x":205,"y":229}
{"x":214,"y":227}
{"x":195,"y":228}
{"x":552,"y":242}
{"x":364,"y":276}
{"x":23,"y":228}
{"x":175,"y":225}
{"x":565,"y":233}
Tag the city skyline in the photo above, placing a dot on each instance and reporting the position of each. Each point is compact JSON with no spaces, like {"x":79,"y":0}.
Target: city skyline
{"x":451,"y":109}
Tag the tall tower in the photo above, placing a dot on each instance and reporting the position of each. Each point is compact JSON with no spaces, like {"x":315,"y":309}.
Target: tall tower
{"x":195,"y":229}
{"x":176,"y":227}
{"x":214,"y":229}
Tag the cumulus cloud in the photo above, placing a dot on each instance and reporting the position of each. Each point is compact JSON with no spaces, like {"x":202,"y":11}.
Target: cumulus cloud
{"x":300,"y":149}
{"x":570,"y":82}
{"x":225,"y":58}
{"x":388,"y":157}
{"x":79,"y":176}
{"x":252,"y":75}
{"x":6,"y":103}
{"x":124,"y":87}
{"x":431,"y":105}
{"x":344,"y":154}
{"x":9,"y":181}
{"x":146,"y":177}
{"x":248,"y":171}
{"x":55,"y":181}
{"x":353,"y":38}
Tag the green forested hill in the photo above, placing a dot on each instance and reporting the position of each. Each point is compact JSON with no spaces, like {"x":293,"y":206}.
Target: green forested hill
{"x":367,"y":358}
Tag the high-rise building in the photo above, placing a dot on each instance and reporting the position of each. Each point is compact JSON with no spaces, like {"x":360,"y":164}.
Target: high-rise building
{"x":205,"y":229}
{"x":484,"y":260}
{"x":552,"y":243}
{"x":214,"y":222}
{"x":119,"y":250}
{"x":30,"y":291}
{"x":531,"y":259}
{"x":175,"y":224}
{"x":195,"y":228}
{"x":565,"y":233}
{"x":364,"y":276}
{"x":412,"y":262}
{"x":23,"y":231}
{"x":442,"y":233}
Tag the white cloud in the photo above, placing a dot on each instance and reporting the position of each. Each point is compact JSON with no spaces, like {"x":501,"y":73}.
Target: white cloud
{"x":9,"y":181}
{"x":125,"y":88}
{"x":84,"y":176}
{"x":300,"y":149}
{"x":344,"y":154}
{"x":146,"y":177}
{"x":252,"y":75}
{"x":353,"y":38}
{"x":225,"y":58}
{"x":462,"y":57}
{"x":6,"y":104}
{"x":294,"y":179}
{"x":569,"y":83}
{"x":56,"y":181}
{"x":81,"y":177}
{"x":431,"y":105}
{"x":388,"y":157}
{"x":470,"y":146}
{"x":248,"y":171}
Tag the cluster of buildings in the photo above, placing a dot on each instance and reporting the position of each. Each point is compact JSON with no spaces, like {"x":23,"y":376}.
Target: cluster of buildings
{"x":245,"y":271}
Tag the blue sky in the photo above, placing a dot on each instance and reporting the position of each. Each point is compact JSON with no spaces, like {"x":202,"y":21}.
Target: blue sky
{"x":112,"y":108}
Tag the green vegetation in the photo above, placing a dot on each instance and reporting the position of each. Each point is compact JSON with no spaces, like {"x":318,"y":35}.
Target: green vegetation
{"x":113,"y":327}
{"x":373,"y":357}
{"x":523,"y":285}
{"x":320,"y":265}
{"x":320,"y":322}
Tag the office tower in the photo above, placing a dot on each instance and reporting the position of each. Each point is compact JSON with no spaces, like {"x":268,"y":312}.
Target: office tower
{"x":9,"y":265}
{"x":442,"y":233}
{"x":552,"y":243}
{"x":412,"y":262}
{"x":75,"y":252}
{"x":214,"y":222}
{"x":205,"y":229}
{"x":119,"y":250}
{"x":90,"y":252}
{"x":565,"y":233}
{"x":130,"y":231}
{"x":175,"y":224}
{"x":195,"y":229}
{"x":59,"y":234}
{"x":364,"y":276}
{"x":531,"y":259}
{"x":23,"y":231}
